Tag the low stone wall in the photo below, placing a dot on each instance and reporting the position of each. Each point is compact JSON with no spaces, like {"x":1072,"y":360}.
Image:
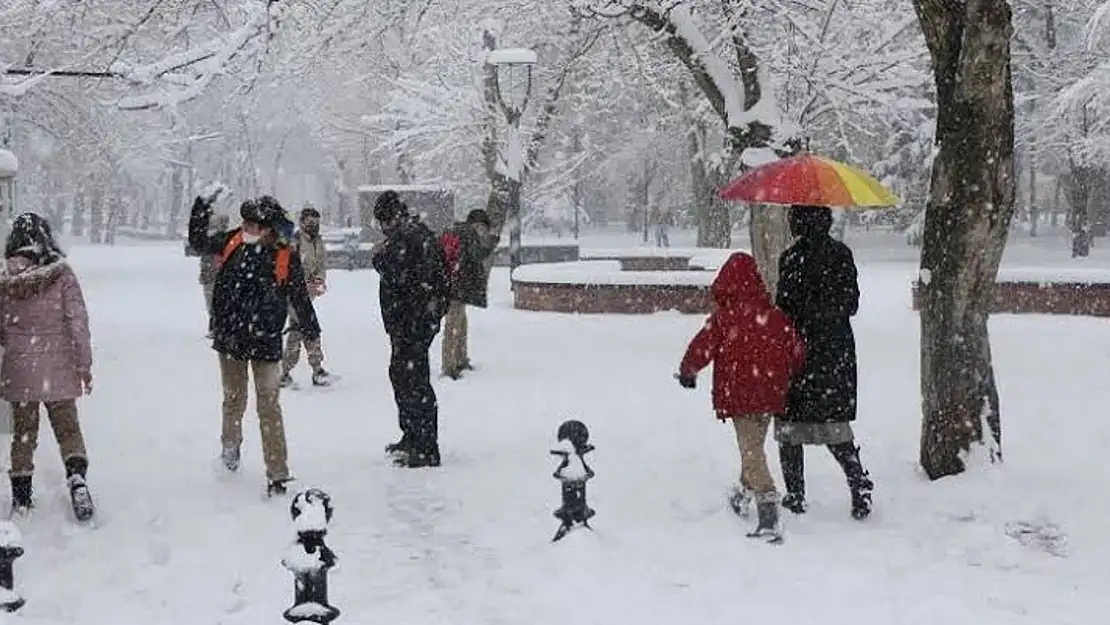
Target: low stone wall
{"x":1090,"y":299}
{"x":627,"y":299}
{"x":611,"y":284}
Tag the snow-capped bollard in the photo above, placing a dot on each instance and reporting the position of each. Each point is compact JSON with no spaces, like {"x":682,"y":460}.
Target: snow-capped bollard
{"x":309,"y":559}
{"x":11,"y":547}
{"x":573,"y":473}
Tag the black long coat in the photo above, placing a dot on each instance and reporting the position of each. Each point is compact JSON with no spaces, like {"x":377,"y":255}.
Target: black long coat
{"x":413,"y":289}
{"x":249,"y":307}
{"x":819,"y":291}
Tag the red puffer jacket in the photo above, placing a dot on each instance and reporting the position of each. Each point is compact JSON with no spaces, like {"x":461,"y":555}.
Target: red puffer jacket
{"x":751,"y":343}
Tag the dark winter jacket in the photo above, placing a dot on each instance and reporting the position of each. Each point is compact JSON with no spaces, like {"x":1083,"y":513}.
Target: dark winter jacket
{"x":468,"y":276}
{"x":413,"y":289}
{"x":753,"y":347}
{"x":819,"y":291}
{"x":248,"y":305}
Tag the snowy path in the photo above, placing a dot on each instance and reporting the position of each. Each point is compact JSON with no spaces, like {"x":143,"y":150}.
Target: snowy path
{"x":179,"y":543}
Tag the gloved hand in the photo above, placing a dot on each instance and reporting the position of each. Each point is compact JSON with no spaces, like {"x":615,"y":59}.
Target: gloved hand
{"x":687,"y":381}
{"x":212,"y":192}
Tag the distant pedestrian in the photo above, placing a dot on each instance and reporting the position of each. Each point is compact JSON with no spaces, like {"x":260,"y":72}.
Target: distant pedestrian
{"x":314,"y":259}
{"x":467,"y":247}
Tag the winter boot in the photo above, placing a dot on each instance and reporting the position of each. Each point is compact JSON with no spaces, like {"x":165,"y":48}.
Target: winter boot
{"x":278,"y":488}
{"x":286,"y":380}
{"x":321,"y":377}
{"x":401,"y":447}
{"x":861,"y":498}
{"x":230,"y":456}
{"x":79,"y":494}
{"x":21,"y":494}
{"x":859,"y":482}
{"x":419,"y":459}
{"x":740,"y":500}
{"x":792,"y":459}
{"x":768,"y":529}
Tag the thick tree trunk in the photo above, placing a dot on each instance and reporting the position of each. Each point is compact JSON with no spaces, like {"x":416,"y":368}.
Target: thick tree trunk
{"x":970,"y":206}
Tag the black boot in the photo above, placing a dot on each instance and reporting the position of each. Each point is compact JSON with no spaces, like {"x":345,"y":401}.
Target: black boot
{"x":79,"y":494}
{"x":402,"y":446}
{"x":768,"y":528}
{"x":21,"y":494}
{"x":859,"y":482}
{"x":792,"y":460}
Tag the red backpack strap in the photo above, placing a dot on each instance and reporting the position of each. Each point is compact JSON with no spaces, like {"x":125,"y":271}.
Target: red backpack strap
{"x":233,"y":243}
{"x":281,"y":265}
{"x":451,"y":245}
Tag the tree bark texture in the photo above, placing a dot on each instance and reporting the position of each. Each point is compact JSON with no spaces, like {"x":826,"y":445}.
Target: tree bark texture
{"x":971,"y":203}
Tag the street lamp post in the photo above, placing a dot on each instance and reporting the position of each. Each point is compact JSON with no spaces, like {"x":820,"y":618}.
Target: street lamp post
{"x":514,"y":157}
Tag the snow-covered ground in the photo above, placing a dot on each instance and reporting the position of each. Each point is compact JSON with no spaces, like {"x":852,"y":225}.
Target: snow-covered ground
{"x":467,"y":544}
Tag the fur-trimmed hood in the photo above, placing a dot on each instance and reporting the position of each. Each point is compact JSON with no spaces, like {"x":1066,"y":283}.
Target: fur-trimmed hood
{"x":22,"y":279}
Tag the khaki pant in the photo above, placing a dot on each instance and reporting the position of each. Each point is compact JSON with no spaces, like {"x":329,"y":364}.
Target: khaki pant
{"x":292,"y":354}
{"x":751,"y":432}
{"x":25,"y":433}
{"x":267,"y":388}
{"x":455,"y":356}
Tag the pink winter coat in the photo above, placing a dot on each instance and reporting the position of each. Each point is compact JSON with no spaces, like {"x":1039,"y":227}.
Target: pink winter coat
{"x":44,"y":329}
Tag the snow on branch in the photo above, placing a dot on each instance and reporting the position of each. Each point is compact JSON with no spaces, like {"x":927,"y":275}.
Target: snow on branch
{"x":206,"y":62}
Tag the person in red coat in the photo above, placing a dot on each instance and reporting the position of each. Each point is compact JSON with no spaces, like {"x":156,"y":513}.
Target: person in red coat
{"x":755,"y":351}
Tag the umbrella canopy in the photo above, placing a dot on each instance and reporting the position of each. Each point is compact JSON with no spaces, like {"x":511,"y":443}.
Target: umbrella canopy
{"x":810,"y":180}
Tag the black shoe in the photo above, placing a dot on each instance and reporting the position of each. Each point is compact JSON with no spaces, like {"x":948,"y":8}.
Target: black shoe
{"x":402,"y":446}
{"x":230,"y":458}
{"x":80,"y":497}
{"x":321,"y":377}
{"x":419,"y":460}
{"x":278,"y":488}
{"x":795,"y":502}
{"x":286,"y":380}
{"x":740,"y":500}
{"x":22,"y":494}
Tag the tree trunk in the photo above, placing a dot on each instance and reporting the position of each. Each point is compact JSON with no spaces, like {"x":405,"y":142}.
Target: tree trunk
{"x":971,"y":203}
{"x":96,"y":213}
{"x":770,"y":234}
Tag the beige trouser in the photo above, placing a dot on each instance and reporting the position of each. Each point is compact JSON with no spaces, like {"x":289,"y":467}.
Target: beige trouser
{"x":751,"y":432}
{"x":25,"y":433}
{"x":455,"y":356}
{"x":292,"y":354}
{"x":209,"y":287}
{"x":267,"y":388}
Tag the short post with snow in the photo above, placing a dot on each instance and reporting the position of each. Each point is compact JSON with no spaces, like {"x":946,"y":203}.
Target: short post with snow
{"x":513,"y":158}
{"x":11,"y":547}
{"x":309,"y":559}
{"x":573,"y":473}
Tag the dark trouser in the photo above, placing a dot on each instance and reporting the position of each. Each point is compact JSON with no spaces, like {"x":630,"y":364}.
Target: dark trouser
{"x":417,"y":406}
{"x":792,"y":459}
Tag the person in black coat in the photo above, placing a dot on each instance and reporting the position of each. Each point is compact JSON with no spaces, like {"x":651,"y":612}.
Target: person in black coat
{"x":819,"y":291}
{"x":258,"y":280}
{"x":413,"y":291}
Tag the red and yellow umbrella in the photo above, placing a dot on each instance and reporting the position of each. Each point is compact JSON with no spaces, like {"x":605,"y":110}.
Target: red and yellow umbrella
{"x":810,"y":180}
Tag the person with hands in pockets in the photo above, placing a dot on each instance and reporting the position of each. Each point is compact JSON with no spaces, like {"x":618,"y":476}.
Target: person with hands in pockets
{"x":754,"y":351}
{"x":44,"y":328}
{"x":260,"y":278}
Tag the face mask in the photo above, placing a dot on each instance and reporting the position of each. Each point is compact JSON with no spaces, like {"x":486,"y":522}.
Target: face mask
{"x":251,"y":239}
